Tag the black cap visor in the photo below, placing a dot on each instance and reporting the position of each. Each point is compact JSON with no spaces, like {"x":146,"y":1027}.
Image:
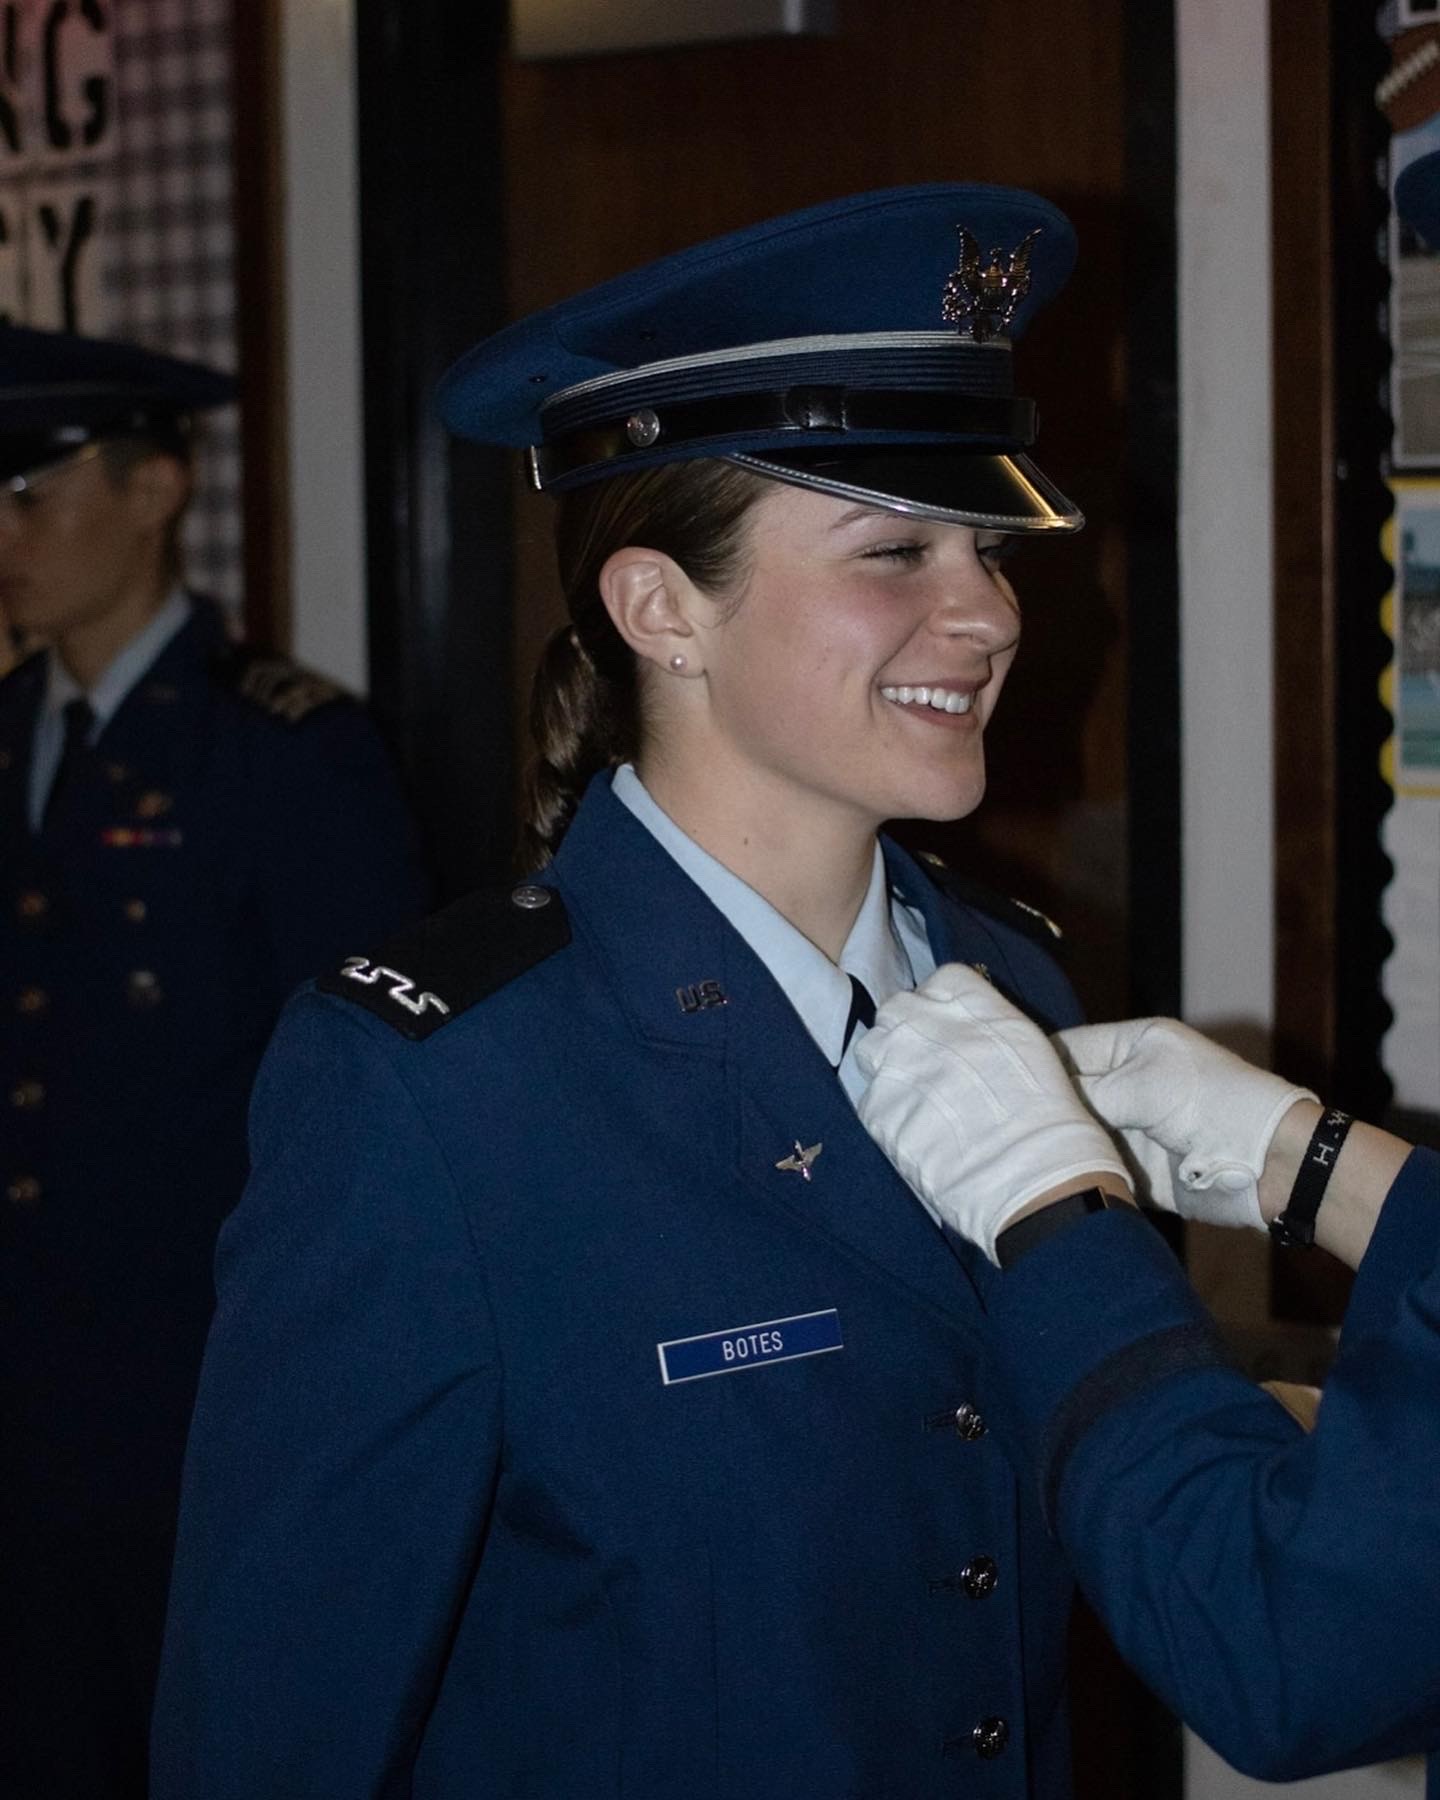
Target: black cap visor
{"x":25,"y":453}
{"x":987,"y":489}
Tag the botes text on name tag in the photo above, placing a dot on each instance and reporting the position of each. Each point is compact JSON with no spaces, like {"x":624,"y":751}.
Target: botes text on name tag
{"x":749,"y":1346}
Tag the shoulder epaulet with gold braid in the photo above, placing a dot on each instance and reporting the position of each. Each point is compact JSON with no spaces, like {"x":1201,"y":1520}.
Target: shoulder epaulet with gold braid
{"x":276,"y":684}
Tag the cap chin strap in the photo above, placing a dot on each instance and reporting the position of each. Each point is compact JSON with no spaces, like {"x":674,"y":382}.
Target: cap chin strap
{"x":784,"y":412}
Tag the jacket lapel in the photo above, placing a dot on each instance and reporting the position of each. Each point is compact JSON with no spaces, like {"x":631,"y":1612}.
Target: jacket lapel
{"x":168,"y":685}
{"x":689,"y":982}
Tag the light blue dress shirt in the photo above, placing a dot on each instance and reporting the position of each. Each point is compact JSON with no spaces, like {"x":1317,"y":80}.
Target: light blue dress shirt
{"x":105,"y":697}
{"x":887,"y":948}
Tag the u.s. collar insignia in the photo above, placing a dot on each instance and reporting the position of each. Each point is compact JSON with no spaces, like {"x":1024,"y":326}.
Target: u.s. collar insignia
{"x":981,"y":299}
{"x":801,"y":1160}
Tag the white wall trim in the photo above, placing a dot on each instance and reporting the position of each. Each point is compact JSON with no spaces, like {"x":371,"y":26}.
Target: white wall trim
{"x":323,"y":339}
{"x":1226,"y":512}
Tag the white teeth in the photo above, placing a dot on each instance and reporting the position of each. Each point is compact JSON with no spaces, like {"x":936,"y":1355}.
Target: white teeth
{"x":938,"y":699}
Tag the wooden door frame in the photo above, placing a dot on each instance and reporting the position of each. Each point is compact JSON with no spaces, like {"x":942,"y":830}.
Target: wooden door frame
{"x":1332,"y":442}
{"x":438,"y":525}
{"x":257,"y":190}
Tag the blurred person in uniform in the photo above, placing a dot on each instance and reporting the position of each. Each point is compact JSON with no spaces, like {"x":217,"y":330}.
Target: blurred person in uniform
{"x":188,"y":828}
{"x":1280,"y":1591}
{"x":589,"y":1403}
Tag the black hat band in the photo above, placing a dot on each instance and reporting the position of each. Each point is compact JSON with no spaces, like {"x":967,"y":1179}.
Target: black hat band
{"x":792,"y":412}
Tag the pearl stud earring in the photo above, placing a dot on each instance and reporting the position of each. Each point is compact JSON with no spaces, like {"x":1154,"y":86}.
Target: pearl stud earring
{"x":677,"y":663}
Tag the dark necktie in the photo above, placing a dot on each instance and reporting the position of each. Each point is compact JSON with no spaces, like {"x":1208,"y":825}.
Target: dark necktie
{"x":862,"y":1012}
{"x":79,"y":720}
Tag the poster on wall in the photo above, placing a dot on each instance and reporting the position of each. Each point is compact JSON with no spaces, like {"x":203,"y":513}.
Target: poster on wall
{"x":1413,"y":688}
{"x":58,"y":142}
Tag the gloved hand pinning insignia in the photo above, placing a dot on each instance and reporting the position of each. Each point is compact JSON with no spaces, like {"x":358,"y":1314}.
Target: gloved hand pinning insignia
{"x":969,"y":1100}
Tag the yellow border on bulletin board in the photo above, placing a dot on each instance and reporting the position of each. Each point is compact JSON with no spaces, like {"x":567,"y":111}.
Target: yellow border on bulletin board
{"x":1400,"y":486}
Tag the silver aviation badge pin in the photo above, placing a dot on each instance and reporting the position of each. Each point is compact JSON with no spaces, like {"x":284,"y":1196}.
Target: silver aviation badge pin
{"x":801,"y":1159}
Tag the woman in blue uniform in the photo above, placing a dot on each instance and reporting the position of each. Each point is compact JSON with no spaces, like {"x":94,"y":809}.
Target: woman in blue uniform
{"x":590,"y":1408}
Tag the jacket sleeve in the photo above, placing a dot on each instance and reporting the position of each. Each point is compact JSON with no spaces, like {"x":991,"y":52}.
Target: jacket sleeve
{"x":1280,"y":1592}
{"x":344,"y":1447}
{"x":337,"y":857}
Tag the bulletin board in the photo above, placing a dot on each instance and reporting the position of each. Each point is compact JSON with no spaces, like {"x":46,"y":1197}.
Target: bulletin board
{"x":1409,"y":96}
{"x":1411,"y":690}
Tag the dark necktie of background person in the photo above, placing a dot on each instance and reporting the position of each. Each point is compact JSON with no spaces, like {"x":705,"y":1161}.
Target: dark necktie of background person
{"x":79,"y":720}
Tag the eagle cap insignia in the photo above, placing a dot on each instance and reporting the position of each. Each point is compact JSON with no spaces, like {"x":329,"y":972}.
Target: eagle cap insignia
{"x":981,"y":298}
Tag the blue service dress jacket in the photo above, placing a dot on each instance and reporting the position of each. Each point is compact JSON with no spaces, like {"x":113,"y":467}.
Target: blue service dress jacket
{"x":590,"y":1409}
{"x":1280,"y":1591}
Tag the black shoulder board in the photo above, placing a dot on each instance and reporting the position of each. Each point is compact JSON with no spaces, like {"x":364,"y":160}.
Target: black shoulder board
{"x":436,"y":970}
{"x":276,"y":684}
{"x":1015,"y":913}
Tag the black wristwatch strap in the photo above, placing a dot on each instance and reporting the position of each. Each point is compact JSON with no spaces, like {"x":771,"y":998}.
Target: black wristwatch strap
{"x":1015,"y":1240}
{"x":1295,"y":1227}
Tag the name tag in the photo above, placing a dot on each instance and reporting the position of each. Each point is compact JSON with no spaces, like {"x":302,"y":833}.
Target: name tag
{"x":749,"y":1346}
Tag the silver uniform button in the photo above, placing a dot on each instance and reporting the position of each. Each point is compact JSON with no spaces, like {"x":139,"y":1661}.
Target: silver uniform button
{"x":968,"y":1422}
{"x":142,"y":988}
{"x":643,"y":428}
{"x":531,"y":899}
{"x":990,"y":1737}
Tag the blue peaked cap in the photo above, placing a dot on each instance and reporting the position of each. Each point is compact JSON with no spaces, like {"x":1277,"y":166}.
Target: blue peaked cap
{"x":1417,"y":197}
{"x":861,"y":347}
{"x":58,"y":391}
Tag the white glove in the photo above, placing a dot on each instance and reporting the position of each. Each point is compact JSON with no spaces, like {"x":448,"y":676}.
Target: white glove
{"x":972,"y":1105}
{"x":1197,"y":1119}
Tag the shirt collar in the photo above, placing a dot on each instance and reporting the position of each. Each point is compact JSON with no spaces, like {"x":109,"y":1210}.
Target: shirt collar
{"x":818,"y":989}
{"x":124,"y":670}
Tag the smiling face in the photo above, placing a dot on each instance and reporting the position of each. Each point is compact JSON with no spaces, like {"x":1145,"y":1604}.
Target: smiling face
{"x":853,"y":676}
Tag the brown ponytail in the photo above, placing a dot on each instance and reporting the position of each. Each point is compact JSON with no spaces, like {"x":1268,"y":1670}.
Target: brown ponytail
{"x":585,"y":703}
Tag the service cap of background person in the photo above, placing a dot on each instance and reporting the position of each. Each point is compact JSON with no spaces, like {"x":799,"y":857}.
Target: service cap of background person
{"x":1417,"y":197}
{"x":59,"y":392}
{"x":861,"y":347}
